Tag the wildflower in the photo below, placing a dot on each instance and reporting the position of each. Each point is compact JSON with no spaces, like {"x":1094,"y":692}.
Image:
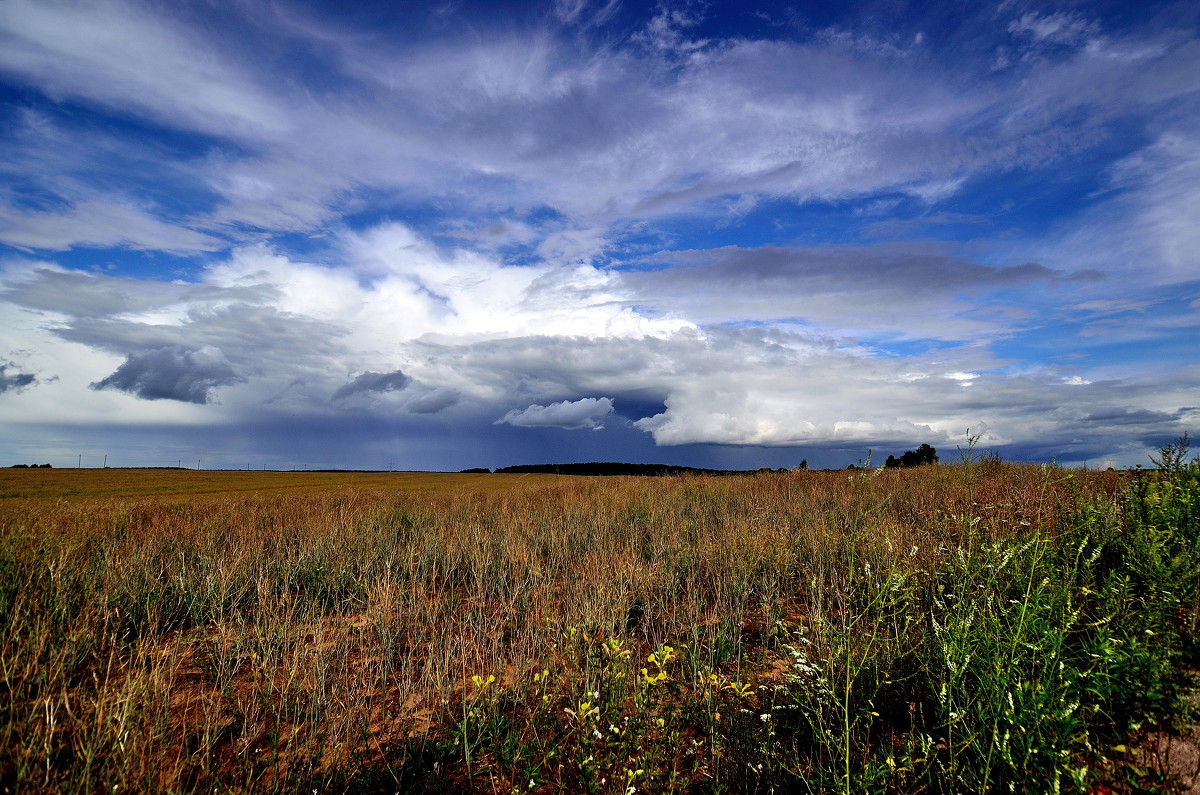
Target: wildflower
{"x":655,"y":679}
{"x":740,"y":689}
{"x":584,"y":711}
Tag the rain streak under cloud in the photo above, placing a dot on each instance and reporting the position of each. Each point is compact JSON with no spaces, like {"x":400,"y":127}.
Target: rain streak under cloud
{"x":716,"y":234}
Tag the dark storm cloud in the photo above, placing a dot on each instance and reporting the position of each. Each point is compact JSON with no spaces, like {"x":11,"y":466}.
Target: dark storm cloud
{"x":14,"y":381}
{"x":172,"y":373}
{"x":919,"y":289}
{"x":433,"y":401}
{"x":1127,"y":416}
{"x":417,"y":398}
{"x":896,"y":267}
{"x":373,"y":382}
{"x":254,"y":338}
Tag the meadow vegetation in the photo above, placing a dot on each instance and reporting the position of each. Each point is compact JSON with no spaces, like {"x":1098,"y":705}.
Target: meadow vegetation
{"x":968,"y":628}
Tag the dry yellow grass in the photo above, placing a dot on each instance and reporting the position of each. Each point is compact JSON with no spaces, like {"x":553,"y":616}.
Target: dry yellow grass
{"x":192,"y":483}
{"x":183,"y":630}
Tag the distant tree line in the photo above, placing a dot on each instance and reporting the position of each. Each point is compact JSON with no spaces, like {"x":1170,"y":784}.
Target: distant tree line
{"x":31,"y":466}
{"x":609,"y":468}
{"x":913,"y":458}
{"x":612,"y":468}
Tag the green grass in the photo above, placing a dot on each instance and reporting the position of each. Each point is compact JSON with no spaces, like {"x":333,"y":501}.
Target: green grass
{"x":977,"y":628}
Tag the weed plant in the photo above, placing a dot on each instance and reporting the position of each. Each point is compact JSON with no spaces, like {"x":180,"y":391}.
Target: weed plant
{"x":987,"y":627}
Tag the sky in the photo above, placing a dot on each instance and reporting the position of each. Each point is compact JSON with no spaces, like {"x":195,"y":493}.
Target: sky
{"x":412,"y":235}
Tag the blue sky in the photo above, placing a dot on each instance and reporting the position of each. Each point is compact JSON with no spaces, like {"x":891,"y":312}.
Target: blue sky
{"x":438,"y":236}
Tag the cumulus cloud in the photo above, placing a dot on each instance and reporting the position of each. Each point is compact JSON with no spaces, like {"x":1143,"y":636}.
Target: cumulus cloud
{"x":14,"y":381}
{"x":428,"y":329}
{"x":172,"y":373}
{"x":373,"y":382}
{"x":572,"y":415}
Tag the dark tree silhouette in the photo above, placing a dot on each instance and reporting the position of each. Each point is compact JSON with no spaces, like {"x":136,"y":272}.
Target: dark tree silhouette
{"x":925,"y":454}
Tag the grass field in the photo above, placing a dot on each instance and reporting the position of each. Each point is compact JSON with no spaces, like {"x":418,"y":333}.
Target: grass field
{"x":191,"y":484}
{"x":984,"y":627}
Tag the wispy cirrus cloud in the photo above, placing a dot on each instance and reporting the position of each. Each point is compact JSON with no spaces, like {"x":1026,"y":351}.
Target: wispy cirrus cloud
{"x":501,"y":117}
{"x":98,"y":223}
{"x":130,"y":56}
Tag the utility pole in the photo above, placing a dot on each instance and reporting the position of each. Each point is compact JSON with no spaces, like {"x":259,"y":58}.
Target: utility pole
{"x":106,"y":460}
{"x":197,"y":463}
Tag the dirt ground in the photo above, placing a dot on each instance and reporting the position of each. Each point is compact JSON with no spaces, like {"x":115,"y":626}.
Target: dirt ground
{"x":1176,"y":755}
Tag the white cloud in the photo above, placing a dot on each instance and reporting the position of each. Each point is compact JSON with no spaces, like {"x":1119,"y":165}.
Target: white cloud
{"x":501,"y":119}
{"x":125,"y":55}
{"x":1142,"y":228}
{"x":407,"y":318}
{"x":568,"y":11}
{"x":572,"y":415}
{"x":600,"y":134}
{"x":1059,"y":27}
{"x":99,"y":223}
{"x":572,"y":246}
{"x":584,"y":14}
